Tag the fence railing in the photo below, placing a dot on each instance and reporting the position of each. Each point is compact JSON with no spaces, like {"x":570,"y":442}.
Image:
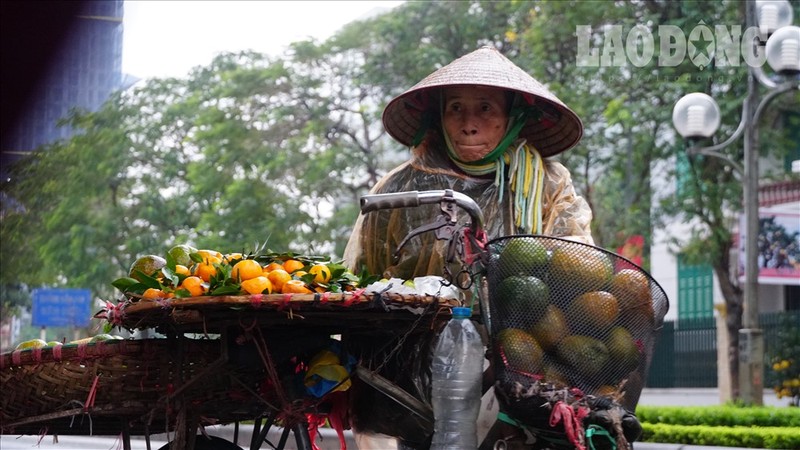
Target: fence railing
{"x":686,"y":351}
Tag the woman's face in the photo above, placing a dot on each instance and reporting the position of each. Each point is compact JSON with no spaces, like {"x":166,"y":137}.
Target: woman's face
{"x":475,"y":118}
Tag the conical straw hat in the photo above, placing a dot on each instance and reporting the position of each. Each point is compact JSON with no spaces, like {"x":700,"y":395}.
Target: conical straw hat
{"x":557,"y":130}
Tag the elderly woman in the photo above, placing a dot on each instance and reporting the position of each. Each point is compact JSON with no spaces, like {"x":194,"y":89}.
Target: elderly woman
{"x":483,"y":127}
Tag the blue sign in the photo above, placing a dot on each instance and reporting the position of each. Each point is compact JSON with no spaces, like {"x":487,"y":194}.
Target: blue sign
{"x":62,"y":307}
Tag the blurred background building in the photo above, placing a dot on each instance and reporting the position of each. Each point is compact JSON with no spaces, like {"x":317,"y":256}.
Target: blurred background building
{"x":56,"y":56}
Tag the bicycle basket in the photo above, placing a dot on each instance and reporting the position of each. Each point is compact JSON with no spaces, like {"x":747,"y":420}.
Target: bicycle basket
{"x":568,"y":320}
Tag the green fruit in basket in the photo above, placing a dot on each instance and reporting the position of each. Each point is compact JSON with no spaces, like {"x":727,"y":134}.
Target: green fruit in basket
{"x":519,"y":350}
{"x":593,"y":312}
{"x":31,"y":344}
{"x":180,"y":254}
{"x":554,"y":374}
{"x":522,"y":256}
{"x":607,"y":390}
{"x":523,"y":295}
{"x":582,"y":355}
{"x":632,"y":289}
{"x":148,"y":265}
{"x":584,"y":268}
{"x":551,"y":328}
{"x":622,"y":350}
{"x":53,"y":343}
{"x":102,"y":337}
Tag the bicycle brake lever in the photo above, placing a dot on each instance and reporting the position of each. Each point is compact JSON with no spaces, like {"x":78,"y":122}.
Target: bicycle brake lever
{"x":440,"y":225}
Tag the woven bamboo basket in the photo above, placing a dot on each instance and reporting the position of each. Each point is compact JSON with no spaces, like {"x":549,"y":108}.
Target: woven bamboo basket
{"x":142,"y":385}
{"x":104,"y":387}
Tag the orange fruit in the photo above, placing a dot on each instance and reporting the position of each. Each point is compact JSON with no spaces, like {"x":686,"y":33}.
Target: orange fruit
{"x":299,"y":274}
{"x":272,"y":266}
{"x":292,"y":265}
{"x":182,"y":270}
{"x":205,"y":271}
{"x":295,"y":287}
{"x":194,"y":285}
{"x":208,"y":254}
{"x":246,"y":269}
{"x":278,"y":277}
{"x":152,"y":293}
{"x":322,"y":274}
{"x":257,"y":285}
{"x":231,"y":258}
{"x":592,"y":312}
{"x":632,"y":289}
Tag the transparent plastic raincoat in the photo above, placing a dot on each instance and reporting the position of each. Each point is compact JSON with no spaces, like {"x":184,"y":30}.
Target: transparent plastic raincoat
{"x":376,"y":235}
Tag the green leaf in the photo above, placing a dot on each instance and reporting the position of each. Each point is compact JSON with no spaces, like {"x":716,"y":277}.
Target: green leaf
{"x":169,"y":274}
{"x":171,"y":263}
{"x":124,"y":284}
{"x":182,"y":293}
{"x":148,"y":281}
{"x":226,"y":290}
{"x":308,"y":278}
{"x":366,"y":278}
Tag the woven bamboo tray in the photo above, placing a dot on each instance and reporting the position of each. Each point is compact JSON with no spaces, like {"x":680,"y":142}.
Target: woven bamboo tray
{"x":211,"y":314}
{"x":139,"y":385}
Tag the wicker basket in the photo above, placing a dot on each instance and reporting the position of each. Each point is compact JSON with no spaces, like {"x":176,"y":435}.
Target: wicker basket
{"x":141,"y":385}
{"x":104,"y":387}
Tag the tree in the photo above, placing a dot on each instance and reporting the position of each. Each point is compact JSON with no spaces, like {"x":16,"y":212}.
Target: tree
{"x":628,"y":131}
{"x":247,"y":150}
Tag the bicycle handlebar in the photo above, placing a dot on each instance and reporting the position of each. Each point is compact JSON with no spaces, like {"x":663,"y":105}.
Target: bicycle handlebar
{"x":374,"y":202}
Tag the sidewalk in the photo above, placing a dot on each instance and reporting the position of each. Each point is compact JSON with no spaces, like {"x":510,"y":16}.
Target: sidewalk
{"x":654,"y":446}
{"x":696,"y":397}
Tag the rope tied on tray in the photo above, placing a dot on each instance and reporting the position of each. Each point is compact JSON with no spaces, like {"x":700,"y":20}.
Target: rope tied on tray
{"x":288,"y":412}
{"x":90,"y":398}
{"x":356,"y":294}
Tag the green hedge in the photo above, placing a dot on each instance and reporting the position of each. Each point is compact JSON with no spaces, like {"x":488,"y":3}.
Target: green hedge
{"x":746,"y":437}
{"x":724,"y":426}
{"x":720,"y":416}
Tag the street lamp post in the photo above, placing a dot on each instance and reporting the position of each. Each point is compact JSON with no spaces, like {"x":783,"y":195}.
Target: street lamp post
{"x":697,"y":115}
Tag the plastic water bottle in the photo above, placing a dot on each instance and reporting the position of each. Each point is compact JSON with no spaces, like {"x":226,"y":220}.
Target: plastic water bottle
{"x":456,"y":371}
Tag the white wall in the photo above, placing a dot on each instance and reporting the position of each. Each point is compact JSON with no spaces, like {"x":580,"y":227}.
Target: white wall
{"x":663,"y":253}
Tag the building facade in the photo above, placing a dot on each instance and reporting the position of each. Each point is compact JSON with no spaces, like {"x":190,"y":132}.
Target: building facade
{"x":84,"y":68}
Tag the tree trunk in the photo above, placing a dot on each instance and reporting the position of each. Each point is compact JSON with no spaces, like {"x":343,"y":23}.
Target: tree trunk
{"x":733,"y":320}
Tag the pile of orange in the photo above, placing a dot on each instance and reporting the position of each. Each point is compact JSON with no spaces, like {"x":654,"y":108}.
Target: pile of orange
{"x":188,"y":272}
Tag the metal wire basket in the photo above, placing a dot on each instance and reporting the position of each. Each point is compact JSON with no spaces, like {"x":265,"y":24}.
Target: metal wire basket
{"x":568,"y":320}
